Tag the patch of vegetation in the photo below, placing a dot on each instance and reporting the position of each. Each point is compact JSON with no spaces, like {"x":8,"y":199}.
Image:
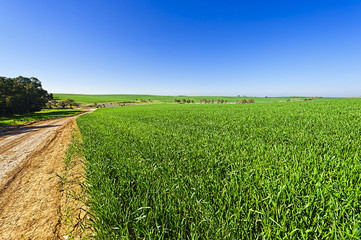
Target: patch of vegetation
{"x":63,"y":103}
{"x":37,"y":116}
{"x":225,"y":171}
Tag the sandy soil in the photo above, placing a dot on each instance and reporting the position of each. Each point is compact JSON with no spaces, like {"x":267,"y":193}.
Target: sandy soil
{"x":30,"y":196}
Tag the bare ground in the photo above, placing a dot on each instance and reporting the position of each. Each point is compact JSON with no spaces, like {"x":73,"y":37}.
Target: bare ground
{"x":30,"y":191}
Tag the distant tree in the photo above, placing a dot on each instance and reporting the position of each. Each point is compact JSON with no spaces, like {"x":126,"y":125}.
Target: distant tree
{"x":62,"y":103}
{"x":71,"y":103}
{"x":21,"y":95}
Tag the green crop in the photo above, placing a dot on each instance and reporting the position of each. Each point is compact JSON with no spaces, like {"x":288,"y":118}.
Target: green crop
{"x":247,"y":171}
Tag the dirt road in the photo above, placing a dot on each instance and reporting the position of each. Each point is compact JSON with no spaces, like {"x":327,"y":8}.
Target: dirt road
{"x":30,"y":158}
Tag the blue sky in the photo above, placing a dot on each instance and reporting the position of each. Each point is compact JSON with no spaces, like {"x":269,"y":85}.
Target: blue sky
{"x":253,"y":48}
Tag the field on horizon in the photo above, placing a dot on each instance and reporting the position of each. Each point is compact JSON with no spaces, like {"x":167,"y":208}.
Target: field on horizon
{"x":225,"y":171}
{"x":90,"y":99}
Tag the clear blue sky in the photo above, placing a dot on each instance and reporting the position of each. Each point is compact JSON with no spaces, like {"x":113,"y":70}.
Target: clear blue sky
{"x":189,"y":47}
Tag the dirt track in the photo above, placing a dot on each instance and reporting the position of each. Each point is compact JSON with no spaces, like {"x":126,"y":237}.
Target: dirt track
{"x":30,"y":159}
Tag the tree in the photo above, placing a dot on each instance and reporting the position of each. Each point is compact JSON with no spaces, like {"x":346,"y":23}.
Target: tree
{"x":65,"y":103}
{"x":21,"y":95}
{"x":62,"y":103}
{"x":71,"y":103}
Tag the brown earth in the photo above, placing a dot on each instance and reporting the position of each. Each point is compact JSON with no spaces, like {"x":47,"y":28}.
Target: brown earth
{"x":31,"y":160}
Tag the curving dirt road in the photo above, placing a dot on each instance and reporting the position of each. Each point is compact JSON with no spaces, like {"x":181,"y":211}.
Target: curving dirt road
{"x":30,"y":159}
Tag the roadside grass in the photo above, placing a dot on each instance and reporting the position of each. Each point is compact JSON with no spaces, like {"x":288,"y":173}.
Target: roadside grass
{"x":37,"y":116}
{"x":74,"y":212}
{"x":118,"y":98}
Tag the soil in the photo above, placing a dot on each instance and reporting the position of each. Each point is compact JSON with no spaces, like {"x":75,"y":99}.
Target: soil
{"x":31,"y":159}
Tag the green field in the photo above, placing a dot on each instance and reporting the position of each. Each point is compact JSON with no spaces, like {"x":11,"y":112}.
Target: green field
{"x":88,"y":99}
{"x":222,"y":171}
{"x":37,"y":116}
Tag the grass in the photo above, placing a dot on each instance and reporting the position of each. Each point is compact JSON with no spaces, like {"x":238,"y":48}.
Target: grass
{"x":251,"y":171}
{"x":37,"y":116}
{"x":73,"y":216}
{"x":89,"y":99}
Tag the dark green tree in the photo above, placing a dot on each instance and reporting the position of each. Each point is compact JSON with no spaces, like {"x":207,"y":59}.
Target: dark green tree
{"x":21,"y":95}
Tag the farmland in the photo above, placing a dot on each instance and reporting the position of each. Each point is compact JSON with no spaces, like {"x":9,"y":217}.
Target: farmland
{"x":88,"y":99}
{"x":246,"y":171}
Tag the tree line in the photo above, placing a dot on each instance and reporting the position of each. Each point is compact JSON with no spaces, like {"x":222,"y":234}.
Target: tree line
{"x":183,"y":101}
{"x":204,"y":101}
